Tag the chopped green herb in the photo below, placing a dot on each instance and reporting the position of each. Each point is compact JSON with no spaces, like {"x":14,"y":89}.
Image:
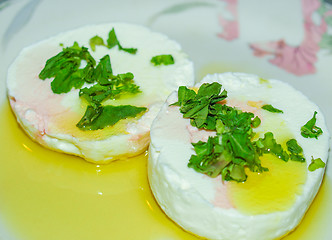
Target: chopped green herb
{"x":268,"y":144}
{"x":232,"y":149}
{"x":293,"y":146}
{"x":197,"y":106}
{"x":315,"y":164}
{"x":297,"y":157}
{"x":228,"y":153}
{"x":310,"y":130}
{"x":113,"y":41}
{"x":213,"y":158}
{"x":162,"y":59}
{"x":270,"y":108}
{"x":118,"y":85}
{"x":65,"y":68}
{"x":256,"y":122}
{"x":96,"y":41}
{"x":103,"y":70}
{"x":108,"y":85}
{"x":95,"y":94}
{"x":295,"y":151}
{"x":104,"y":116}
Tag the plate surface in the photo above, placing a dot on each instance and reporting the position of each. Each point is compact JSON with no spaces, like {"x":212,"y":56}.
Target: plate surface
{"x":46,"y":195}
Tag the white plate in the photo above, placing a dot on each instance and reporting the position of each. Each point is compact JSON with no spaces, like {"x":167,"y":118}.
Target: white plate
{"x":292,"y":38}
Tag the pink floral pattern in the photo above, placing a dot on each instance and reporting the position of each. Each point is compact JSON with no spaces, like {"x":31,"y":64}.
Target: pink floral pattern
{"x":299,"y":60}
{"x":230,"y":27}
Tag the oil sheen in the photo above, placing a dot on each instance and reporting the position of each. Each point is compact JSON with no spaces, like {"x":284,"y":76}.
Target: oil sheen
{"x":50,"y":195}
{"x":270,"y":191}
{"x":277,"y":188}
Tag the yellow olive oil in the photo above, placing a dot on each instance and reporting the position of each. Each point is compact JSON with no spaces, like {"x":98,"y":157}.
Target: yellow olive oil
{"x":50,"y":195}
{"x":274,"y":190}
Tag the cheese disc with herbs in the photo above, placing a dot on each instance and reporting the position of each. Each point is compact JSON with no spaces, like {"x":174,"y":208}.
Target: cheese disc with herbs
{"x":237,"y":157}
{"x":94,"y":91}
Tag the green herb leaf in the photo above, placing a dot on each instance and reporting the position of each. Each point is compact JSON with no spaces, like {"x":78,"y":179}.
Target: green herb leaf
{"x":204,"y":148}
{"x":211,"y":91}
{"x":64,"y":67}
{"x":165,"y":59}
{"x":256,"y":122}
{"x":96,"y":41}
{"x":231,"y":150}
{"x":112,"y":89}
{"x":66,"y":71}
{"x":108,"y":86}
{"x":113,"y":41}
{"x":315,"y":164}
{"x":128,"y":50}
{"x":295,"y":151}
{"x":95,"y":94}
{"x":268,"y":144}
{"x":310,"y":130}
{"x":66,"y":79}
{"x":103,"y":116}
{"x":297,"y":157}
{"x":293,"y":146}
{"x":227,"y":155}
{"x":220,"y":127}
{"x":270,"y":108}
{"x":234,"y":119}
{"x":237,"y":173}
{"x":91,"y":114}
{"x":184,"y":95}
{"x":103,"y":70}
{"x":197,"y":107}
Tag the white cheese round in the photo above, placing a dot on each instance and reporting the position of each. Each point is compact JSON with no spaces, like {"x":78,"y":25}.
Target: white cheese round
{"x":204,"y":206}
{"x":50,"y":118}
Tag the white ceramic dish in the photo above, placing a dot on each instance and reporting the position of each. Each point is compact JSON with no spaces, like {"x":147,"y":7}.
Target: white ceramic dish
{"x":284,"y":40}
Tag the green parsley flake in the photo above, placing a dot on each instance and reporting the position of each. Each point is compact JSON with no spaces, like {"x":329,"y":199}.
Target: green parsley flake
{"x":315,"y":164}
{"x":270,"y":108}
{"x":117,"y":86}
{"x":256,"y":122}
{"x":67,"y":74}
{"x":66,"y":71}
{"x":228,"y":153}
{"x":296,"y":152}
{"x":232,"y":150}
{"x":196,"y":106}
{"x":310,"y":130}
{"x":96,"y":41}
{"x":162,"y":59}
{"x":268,"y":144}
{"x":113,"y":41}
{"x":104,"y":116}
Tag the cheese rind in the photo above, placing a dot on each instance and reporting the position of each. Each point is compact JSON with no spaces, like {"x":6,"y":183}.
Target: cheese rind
{"x":50,"y":118}
{"x":202,"y":205}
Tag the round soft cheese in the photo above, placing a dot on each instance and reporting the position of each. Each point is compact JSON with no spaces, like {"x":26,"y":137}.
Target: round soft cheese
{"x":51,"y":118}
{"x":267,"y":205}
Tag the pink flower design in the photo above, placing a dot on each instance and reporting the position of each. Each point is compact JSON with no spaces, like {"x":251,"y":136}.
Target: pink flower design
{"x":230,"y":27}
{"x":299,"y":60}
